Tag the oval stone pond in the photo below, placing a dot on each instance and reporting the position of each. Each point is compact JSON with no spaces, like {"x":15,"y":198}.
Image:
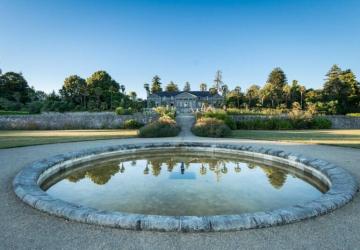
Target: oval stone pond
{"x":177,"y":182}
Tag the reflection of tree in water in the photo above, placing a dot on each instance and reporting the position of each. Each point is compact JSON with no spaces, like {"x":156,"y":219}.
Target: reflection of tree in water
{"x":251,"y":165}
{"x":224,"y":169}
{"x":122,"y":168}
{"x":75,"y":177}
{"x":237,"y":168}
{"x":102,"y":175}
{"x":203,"y":169}
{"x":276,"y":177}
{"x":146,"y":170}
{"x":99,"y":175}
{"x":156,"y":166}
{"x":171,"y":163}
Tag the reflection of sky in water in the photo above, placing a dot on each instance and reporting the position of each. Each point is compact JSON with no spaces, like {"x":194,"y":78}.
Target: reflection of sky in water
{"x":183,"y":185}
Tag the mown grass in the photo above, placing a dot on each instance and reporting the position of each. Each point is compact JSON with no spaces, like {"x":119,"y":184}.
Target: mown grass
{"x":343,"y":138}
{"x":19,"y":138}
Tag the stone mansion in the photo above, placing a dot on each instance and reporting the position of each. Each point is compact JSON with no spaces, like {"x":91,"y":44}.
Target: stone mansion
{"x":185,"y":101}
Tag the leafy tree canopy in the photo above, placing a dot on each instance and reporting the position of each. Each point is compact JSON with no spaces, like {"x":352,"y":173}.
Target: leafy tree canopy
{"x":156,"y":84}
{"x":172,"y":87}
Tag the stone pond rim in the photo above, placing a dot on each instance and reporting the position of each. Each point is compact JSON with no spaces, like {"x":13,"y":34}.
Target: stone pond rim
{"x":342,"y":189}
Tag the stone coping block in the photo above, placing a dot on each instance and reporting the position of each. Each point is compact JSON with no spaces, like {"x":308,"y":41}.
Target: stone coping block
{"x":342,"y":189}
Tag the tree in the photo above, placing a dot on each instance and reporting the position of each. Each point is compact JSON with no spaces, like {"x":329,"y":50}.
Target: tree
{"x":203,"y":87}
{"x":341,"y":86}
{"x":187,"y":86}
{"x":14,"y":87}
{"x":156,"y":84}
{"x":98,"y":92}
{"x":225,"y":90}
{"x":295,"y":93}
{"x":147,"y":88}
{"x":218,"y":80}
{"x":213,"y":91}
{"x":287,"y":94}
{"x":98,"y":85}
{"x":252,"y":93}
{"x":112,"y":91}
{"x":277,"y":79}
{"x":172,"y":87}
{"x":72,"y":89}
{"x":353,"y":91}
{"x":133,"y":96}
{"x":234,"y":97}
{"x":269,"y":91}
{"x":122,"y":87}
{"x":302,"y":90}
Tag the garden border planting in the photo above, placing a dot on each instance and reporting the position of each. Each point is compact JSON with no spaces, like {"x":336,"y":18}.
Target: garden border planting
{"x":342,"y":188}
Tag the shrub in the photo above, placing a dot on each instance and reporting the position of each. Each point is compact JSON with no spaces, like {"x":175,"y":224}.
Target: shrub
{"x":256,"y":111}
{"x":320,"y":123}
{"x":35,"y":107}
{"x":285,"y":124}
{"x":166,"y":111}
{"x":132,"y":124}
{"x":210,"y":127}
{"x":163,"y":127}
{"x":221,"y":115}
{"x":123,"y":111}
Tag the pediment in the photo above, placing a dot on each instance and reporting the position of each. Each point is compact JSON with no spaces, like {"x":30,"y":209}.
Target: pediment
{"x":185,"y":95}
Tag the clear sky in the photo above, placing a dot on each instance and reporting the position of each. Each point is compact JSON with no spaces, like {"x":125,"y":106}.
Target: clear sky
{"x":178,"y":40}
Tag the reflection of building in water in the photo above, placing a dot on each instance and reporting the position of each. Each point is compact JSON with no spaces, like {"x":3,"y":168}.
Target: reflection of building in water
{"x":102,"y":174}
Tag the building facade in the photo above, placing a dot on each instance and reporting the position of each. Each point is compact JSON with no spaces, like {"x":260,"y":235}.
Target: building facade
{"x":185,"y":101}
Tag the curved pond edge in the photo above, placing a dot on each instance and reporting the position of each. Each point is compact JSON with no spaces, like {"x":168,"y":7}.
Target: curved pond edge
{"x":342,"y":189}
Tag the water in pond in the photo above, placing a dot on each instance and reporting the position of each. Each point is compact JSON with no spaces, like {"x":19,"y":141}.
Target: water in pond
{"x":179,"y":182}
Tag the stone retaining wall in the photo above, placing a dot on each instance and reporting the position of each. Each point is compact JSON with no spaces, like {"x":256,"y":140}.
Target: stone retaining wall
{"x":344,"y":122}
{"x":73,"y":120}
{"x":337,"y":121}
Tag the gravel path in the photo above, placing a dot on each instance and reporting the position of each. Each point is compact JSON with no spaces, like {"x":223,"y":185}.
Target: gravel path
{"x":25,"y":228}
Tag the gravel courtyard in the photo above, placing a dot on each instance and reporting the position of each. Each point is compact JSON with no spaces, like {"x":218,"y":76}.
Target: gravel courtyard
{"x":25,"y":228}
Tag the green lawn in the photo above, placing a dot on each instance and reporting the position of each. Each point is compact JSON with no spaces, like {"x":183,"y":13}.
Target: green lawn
{"x":18,"y":138}
{"x":344,"y":138}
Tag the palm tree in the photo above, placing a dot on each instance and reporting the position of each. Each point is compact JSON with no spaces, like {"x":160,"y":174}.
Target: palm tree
{"x":287,"y":92}
{"x":237,"y":90}
{"x":302,"y":90}
{"x":203,"y":87}
{"x":147,"y":88}
{"x":252,"y":92}
{"x":122,"y":87}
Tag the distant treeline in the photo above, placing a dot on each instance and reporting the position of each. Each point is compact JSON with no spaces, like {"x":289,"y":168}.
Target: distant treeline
{"x":100,"y":92}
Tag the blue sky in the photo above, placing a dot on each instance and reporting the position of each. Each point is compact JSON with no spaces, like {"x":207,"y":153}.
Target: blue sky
{"x":178,"y":40}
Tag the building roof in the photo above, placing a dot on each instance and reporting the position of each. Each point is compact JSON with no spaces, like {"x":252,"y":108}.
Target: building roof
{"x":196,"y":93}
